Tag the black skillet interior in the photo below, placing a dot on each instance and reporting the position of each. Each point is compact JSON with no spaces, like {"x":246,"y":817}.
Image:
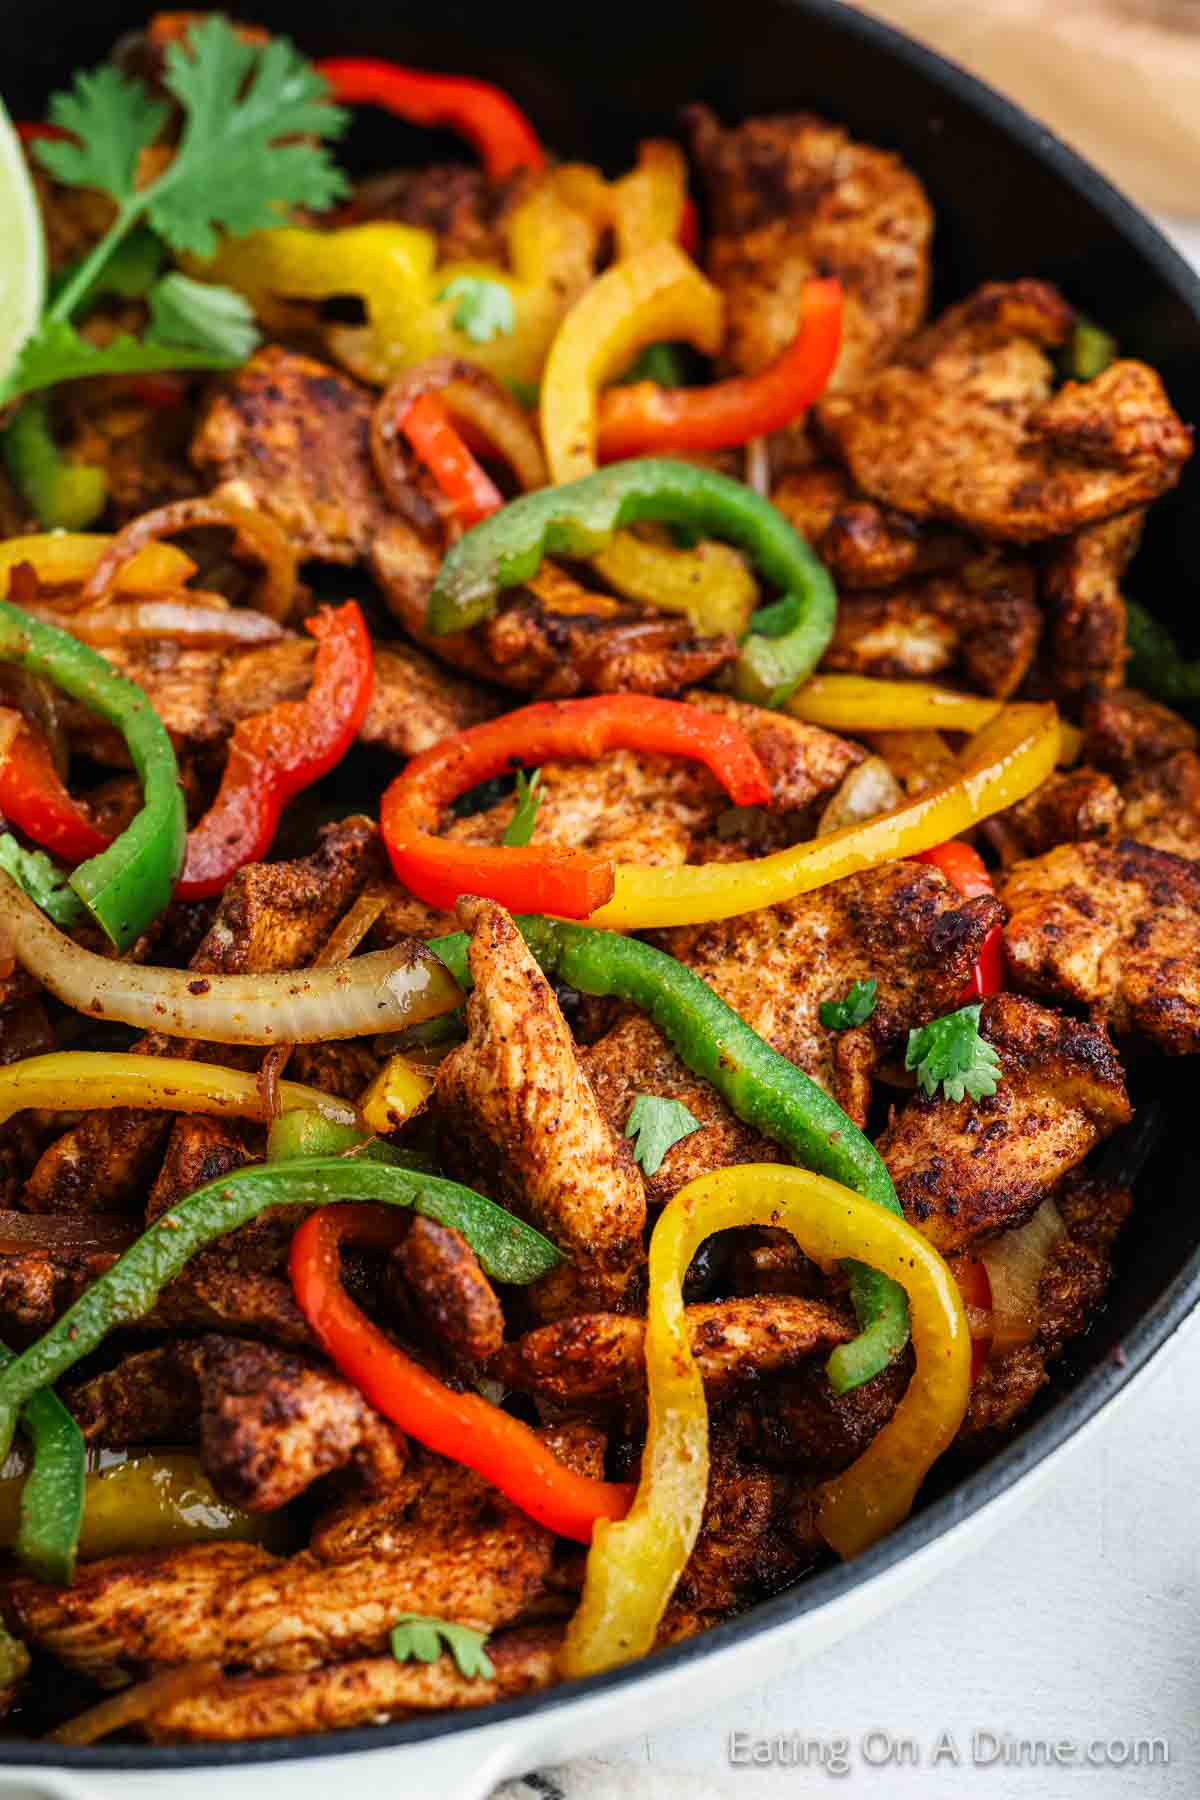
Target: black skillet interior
{"x":1010,"y":201}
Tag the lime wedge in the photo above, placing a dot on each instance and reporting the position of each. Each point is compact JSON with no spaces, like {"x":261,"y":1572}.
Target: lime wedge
{"x":22,"y":249}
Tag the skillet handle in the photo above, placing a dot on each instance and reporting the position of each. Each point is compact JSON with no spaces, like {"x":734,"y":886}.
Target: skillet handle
{"x":465,"y":1766}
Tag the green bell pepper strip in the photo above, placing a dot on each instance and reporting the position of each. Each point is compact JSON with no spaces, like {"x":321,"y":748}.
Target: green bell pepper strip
{"x":305,"y":1133}
{"x":1154,"y":659}
{"x":129,"y":884}
{"x":757,"y":1083}
{"x":581,"y":517}
{"x":53,"y":1495}
{"x":1089,"y":351}
{"x":508,"y":1250}
{"x":61,"y":493}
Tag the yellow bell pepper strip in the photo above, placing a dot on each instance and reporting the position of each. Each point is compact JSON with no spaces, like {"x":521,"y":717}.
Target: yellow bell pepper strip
{"x":649,"y":204}
{"x":51,"y":1504}
{"x":582,"y":517}
{"x":85,"y":1080}
{"x":397,"y":1092}
{"x":129,"y":884}
{"x":410,"y":313}
{"x":145,"y":1502}
{"x":634,"y":1565}
{"x":1004,"y":762}
{"x":68,"y":558}
{"x":711,"y":583}
{"x":657,"y":294}
{"x":758,"y":1084}
{"x":861,"y":703}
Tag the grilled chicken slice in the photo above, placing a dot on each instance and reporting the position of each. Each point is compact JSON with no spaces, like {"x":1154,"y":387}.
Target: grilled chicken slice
{"x":863,"y":544}
{"x":271,"y":916}
{"x":1073,"y":1284}
{"x":366,"y":1691}
{"x":1072,"y":806}
{"x":903,"y":926}
{"x":965,"y":425}
{"x":465,"y":209}
{"x":441,"y":1542}
{"x":969,"y":1168}
{"x":981,"y":621}
{"x":600,"y":1357}
{"x":1082,"y":590}
{"x":1162,"y":806}
{"x":520,"y":1121}
{"x":291,"y":436}
{"x":793,"y":197}
{"x":1125,"y":733}
{"x":452,"y":1297}
{"x":270,"y":1423}
{"x":1115,"y":929}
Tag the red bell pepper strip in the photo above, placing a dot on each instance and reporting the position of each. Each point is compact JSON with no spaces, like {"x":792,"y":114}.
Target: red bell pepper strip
{"x":546,"y":878}
{"x":470,"y":489}
{"x":275,"y":754}
{"x":966,"y":870}
{"x":465,"y":1427}
{"x":33,"y":798}
{"x":976,"y":1290}
{"x":492,"y":123}
{"x":645,"y":419}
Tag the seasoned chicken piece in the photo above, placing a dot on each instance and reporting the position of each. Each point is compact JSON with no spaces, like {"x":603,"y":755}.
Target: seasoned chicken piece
{"x":1115,"y":929}
{"x":744,"y":1549}
{"x":1124,"y":732}
{"x":212,"y":1294}
{"x":141,"y":445}
{"x":862,"y":544}
{"x":269,"y":1423}
{"x":902,"y":925}
{"x":291,"y":436}
{"x":600,"y":1357}
{"x":271,"y":916}
{"x":968,"y":1168}
{"x":456,"y":1302}
{"x":981,"y":621}
{"x":1073,"y":1283}
{"x":368,"y":1691}
{"x":1072,"y":806}
{"x":1162,"y":806}
{"x":520,"y":1120}
{"x":793,"y":197}
{"x":965,"y":425}
{"x":37,"y":1285}
{"x":1082,"y":589}
{"x":799,"y":1424}
{"x":442,"y":1542}
{"x":666,"y":810}
{"x":465,"y":209}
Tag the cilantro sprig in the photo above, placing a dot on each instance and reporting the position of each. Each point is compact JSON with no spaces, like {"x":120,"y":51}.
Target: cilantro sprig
{"x":855,"y":1008}
{"x":529,"y":797}
{"x":417,"y":1638}
{"x":951,"y":1053}
{"x":656,"y":1126}
{"x":249,"y":149}
{"x":484,"y":309}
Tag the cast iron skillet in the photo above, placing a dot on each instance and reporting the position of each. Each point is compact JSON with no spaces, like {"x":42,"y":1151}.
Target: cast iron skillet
{"x":1010,"y":200}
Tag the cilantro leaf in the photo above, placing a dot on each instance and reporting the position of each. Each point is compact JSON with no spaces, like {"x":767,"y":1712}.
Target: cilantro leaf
{"x":950,"y":1051}
{"x":42,"y":880}
{"x":56,"y":352}
{"x":243,"y":156}
{"x":857,"y":1006}
{"x":112,"y":119}
{"x":529,"y":798}
{"x":657,"y":1125}
{"x":420,"y":1639}
{"x":200,"y":316}
{"x":485,"y":308}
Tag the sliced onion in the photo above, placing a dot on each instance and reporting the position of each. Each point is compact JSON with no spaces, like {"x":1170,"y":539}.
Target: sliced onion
{"x":256,"y":535}
{"x":136,"y":1704}
{"x":867,"y":791}
{"x":195,"y":626}
{"x":338,"y":947}
{"x":386,"y":990}
{"x":66,"y":1231}
{"x":1016,"y":1262}
{"x":472,"y":396}
{"x":758,"y":467}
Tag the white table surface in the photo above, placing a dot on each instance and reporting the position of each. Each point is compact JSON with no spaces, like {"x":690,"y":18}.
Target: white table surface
{"x":1081,"y":1620}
